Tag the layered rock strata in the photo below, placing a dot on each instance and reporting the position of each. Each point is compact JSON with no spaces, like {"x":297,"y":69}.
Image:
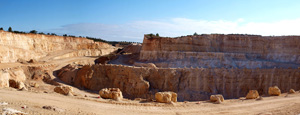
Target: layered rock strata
{"x":34,"y":46}
{"x":189,"y":83}
{"x":218,"y":50}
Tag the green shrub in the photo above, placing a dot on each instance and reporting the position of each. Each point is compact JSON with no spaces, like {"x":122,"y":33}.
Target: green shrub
{"x":10,"y":29}
{"x":33,"y":32}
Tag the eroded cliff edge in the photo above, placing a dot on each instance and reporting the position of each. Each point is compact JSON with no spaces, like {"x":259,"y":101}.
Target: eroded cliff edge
{"x":35,"y":46}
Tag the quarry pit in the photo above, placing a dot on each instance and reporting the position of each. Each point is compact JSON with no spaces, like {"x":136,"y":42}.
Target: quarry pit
{"x":194,"y":67}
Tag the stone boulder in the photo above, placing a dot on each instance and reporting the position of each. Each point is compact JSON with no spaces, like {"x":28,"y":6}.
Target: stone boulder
{"x":166,"y":97}
{"x":215,"y":98}
{"x":292,"y":91}
{"x":4,"y":79}
{"x":16,"y":84}
{"x":274,"y":91}
{"x":65,"y":90}
{"x":252,"y":94}
{"x":111,"y":93}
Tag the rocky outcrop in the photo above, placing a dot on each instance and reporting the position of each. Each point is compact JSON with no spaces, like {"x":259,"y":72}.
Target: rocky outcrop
{"x":17,"y":77}
{"x":65,"y":90}
{"x":166,"y":97}
{"x":252,"y":94}
{"x":12,"y":78}
{"x":274,"y":91}
{"x":96,"y":77}
{"x":111,"y":93}
{"x":35,"y":46}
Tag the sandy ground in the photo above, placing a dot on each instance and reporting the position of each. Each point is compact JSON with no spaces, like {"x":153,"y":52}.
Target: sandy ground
{"x":92,"y":105}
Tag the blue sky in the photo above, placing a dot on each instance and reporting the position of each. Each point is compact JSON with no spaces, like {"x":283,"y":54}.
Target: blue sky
{"x":129,"y":20}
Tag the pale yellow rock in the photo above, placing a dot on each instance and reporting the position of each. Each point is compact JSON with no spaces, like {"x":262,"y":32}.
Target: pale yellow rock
{"x":292,"y":91}
{"x":252,"y":94}
{"x":65,"y":90}
{"x":34,"y":46}
{"x":4,"y":79}
{"x":218,"y":101}
{"x":166,"y":97}
{"x":215,"y":98}
{"x":111,"y":93}
{"x":33,"y":84}
{"x":274,"y":91}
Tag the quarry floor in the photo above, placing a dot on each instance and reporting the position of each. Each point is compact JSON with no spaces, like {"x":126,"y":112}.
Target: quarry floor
{"x":89,"y":104}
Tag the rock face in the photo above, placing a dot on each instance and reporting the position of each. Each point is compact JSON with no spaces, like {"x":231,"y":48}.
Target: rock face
{"x":218,"y":50}
{"x":166,"y":97}
{"x":111,"y":93}
{"x":216,"y":98}
{"x":96,"y":77}
{"x":274,"y":91}
{"x":65,"y":90}
{"x":191,"y":84}
{"x":34,"y":46}
{"x":252,"y":94}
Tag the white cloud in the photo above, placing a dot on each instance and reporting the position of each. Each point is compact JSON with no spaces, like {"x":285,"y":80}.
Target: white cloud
{"x":134,"y":31}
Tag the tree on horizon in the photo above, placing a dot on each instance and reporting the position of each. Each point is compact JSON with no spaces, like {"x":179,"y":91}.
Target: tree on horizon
{"x":10,"y":29}
{"x":33,"y":31}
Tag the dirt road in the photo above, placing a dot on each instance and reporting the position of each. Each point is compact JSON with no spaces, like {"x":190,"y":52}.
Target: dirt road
{"x":90,"y":104}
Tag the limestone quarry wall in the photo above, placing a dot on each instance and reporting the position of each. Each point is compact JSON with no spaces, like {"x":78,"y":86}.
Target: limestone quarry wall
{"x":249,"y":49}
{"x":190,"y":83}
{"x":33,"y":46}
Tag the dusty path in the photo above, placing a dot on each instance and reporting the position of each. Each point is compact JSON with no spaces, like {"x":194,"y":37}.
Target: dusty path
{"x":91,"y":105}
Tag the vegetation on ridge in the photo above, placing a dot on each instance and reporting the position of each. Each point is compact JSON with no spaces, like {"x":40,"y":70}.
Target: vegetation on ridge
{"x":65,"y":35}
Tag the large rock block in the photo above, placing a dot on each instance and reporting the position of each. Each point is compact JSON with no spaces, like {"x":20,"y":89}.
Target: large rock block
{"x":65,"y":90}
{"x":252,"y":94}
{"x":166,"y":97}
{"x":4,"y":79}
{"x":292,"y":91}
{"x":16,"y":84}
{"x":111,"y":93}
{"x":215,"y":98}
{"x":274,"y":91}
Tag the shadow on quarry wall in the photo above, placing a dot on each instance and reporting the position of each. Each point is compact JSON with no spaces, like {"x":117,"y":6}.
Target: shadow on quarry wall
{"x":191,"y":84}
